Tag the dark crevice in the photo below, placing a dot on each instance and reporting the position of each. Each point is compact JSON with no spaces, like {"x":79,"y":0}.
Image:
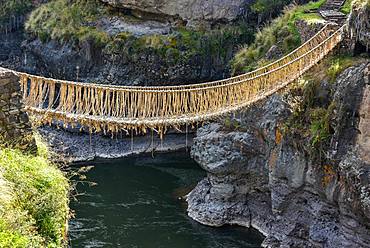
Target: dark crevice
{"x":360,"y":49}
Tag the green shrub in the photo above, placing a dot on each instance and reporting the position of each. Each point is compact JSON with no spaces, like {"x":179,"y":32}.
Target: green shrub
{"x":33,"y":201}
{"x":11,"y":239}
{"x":267,"y":9}
{"x":66,"y":21}
{"x":337,"y":65}
{"x":320,"y":127}
{"x":310,"y":125}
{"x":346,"y":8}
{"x":100,"y":38}
{"x":307,"y":12}
{"x":280,"y":31}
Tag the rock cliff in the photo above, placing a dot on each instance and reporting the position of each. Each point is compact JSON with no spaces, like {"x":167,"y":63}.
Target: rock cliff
{"x":136,"y":42}
{"x":206,"y":58}
{"x":359,"y":23}
{"x":258,"y":176}
{"x":194,"y":12}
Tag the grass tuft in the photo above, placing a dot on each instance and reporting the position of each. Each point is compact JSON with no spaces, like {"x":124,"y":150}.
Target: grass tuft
{"x":337,"y":65}
{"x":347,"y":7}
{"x":65,"y":21}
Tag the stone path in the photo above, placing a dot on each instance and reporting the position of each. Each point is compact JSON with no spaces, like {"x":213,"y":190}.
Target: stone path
{"x":330,"y":11}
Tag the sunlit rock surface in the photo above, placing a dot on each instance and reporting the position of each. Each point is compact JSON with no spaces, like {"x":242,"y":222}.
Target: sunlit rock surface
{"x":192,"y":11}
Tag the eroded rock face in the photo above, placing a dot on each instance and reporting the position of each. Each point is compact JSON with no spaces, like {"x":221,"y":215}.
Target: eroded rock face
{"x":364,"y":135}
{"x":192,"y":11}
{"x":236,"y":162}
{"x":132,"y":61}
{"x":276,"y":188}
{"x":147,"y":67}
{"x":359,"y":25}
{"x":307,"y":30}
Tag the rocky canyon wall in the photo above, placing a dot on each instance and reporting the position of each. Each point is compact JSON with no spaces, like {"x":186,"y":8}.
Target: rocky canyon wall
{"x":359,"y":24}
{"x":259,"y":176}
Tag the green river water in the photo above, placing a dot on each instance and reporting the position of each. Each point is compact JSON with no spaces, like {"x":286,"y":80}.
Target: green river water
{"x":135,"y":204}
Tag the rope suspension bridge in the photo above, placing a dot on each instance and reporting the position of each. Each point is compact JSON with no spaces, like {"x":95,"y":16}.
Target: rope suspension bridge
{"x":113,"y":109}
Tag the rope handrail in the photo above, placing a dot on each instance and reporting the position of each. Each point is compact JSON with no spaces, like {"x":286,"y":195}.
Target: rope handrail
{"x":117,"y":108}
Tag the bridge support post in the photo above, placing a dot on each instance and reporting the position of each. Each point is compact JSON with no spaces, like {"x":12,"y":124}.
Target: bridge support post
{"x":15,"y":127}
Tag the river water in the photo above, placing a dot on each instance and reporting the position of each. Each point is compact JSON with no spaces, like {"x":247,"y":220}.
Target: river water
{"x":136,"y":204}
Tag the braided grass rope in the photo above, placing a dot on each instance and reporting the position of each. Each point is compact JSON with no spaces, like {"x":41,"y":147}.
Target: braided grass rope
{"x":114,"y":109}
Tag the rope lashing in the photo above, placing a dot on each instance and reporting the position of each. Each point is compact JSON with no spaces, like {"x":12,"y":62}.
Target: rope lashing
{"x":113,"y":109}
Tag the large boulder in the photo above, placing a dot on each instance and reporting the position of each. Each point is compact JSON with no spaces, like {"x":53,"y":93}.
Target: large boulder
{"x":191,"y":11}
{"x":235,"y":153}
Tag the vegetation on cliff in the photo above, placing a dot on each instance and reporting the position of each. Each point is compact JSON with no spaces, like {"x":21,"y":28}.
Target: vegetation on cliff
{"x":183,"y":44}
{"x":282,"y":33}
{"x":346,"y":8}
{"x":65,"y":21}
{"x":268,"y":8}
{"x":349,"y":4}
{"x":33,"y":200}
{"x":13,"y":8}
{"x":312,"y":123}
{"x":78,"y":22}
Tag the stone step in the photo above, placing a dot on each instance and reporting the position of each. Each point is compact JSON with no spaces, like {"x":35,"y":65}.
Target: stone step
{"x":327,"y":14}
{"x":331,"y":6}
